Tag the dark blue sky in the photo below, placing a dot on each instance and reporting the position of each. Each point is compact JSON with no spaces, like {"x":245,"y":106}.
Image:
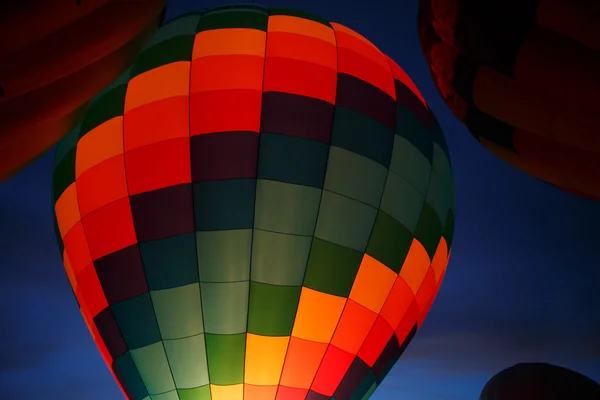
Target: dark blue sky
{"x":522,"y":284}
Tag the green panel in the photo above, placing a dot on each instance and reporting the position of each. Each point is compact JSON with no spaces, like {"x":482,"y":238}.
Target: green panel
{"x":411,"y":164}
{"x":345,"y":221}
{"x":129,"y":377}
{"x":438,"y":196}
{"x":172,"y":395}
{"x":199,"y":393}
{"x":178,"y":311}
{"x":181,"y":26}
{"x":429,"y":230}
{"x":63,"y":175}
{"x":449,"y":228}
{"x":402,"y":201}
{"x":438,"y":136}
{"x":355,"y":176}
{"x":441,"y":165}
{"x":224,"y":256}
{"x":368,"y":384}
{"x":151,"y":362}
{"x":286,"y":208}
{"x":187,"y":358}
{"x":247,"y":18}
{"x":170,"y":262}
{"x":272,"y":309}
{"x":279,"y":259}
{"x":136,"y":321}
{"x":332,"y":268}
{"x":389,"y":242}
{"x":226,"y":358}
{"x":299,"y":14}
{"x":105,"y":107}
{"x":225,"y":307}
{"x":172,"y":50}
{"x":410,"y":127}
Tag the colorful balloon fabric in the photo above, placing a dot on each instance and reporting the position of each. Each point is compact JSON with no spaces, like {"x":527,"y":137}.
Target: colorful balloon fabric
{"x":261,"y":208}
{"x":540,"y":381}
{"x":58,"y":56}
{"x":524,"y":77}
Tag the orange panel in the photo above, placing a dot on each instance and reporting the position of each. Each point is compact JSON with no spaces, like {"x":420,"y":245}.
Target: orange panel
{"x":77,"y":248}
{"x":158,"y":121}
{"x":440,"y":260}
{"x":227,"y":72}
{"x":361,"y":67}
{"x":399,"y":74}
{"x":227,"y":392}
{"x":407,"y":323}
{"x":67,"y":210}
{"x":301,"y":363}
{"x":353,"y":328}
{"x":90,"y":290}
{"x":290,"y":393}
{"x":302,"y":26}
{"x":333,"y":368}
{"x":158,"y":165}
{"x":415,"y":266}
{"x":426,"y":291}
{"x":264,"y":359}
{"x":301,"y":78}
{"x":224,"y":111}
{"x":372,"y":284}
{"x":350,"y":40}
{"x":239,"y":41}
{"x":109,"y":229}
{"x":102,"y":184}
{"x":99,"y":144}
{"x":352,"y":35}
{"x":397,"y":303}
{"x":303,"y":48}
{"x":163,"y":82}
{"x":69,"y":270}
{"x":255,"y":392}
{"x":376,"y":341}
{"x":317,"y":315}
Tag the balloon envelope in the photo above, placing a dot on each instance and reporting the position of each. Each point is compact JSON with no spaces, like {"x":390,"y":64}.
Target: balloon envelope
{"x":60,"y":54}
{"x":262,"y":207}
{"x":524,"y":77}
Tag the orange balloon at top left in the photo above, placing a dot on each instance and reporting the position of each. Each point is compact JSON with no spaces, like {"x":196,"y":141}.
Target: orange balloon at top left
{"x":55,"y":56}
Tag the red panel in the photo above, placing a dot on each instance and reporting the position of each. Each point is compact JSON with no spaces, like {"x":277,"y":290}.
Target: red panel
{"x":426,"y":291}
{"x":333,"y":368}
{"x":302,"y":47}
{"x":225,"y":110}
{"x":397,"y":303}
{"x":158,"y":165}
{"x":76,"y":247}
{"x":101,"y":184}
{"x":407,"y":322}
{"x":353,"y":327}
{"x":109,"y":229}
{"x":158,"y":121}
{"x":302,"y":362}
{"x":289,"y":393}
{"x":90,"y":291}
{"x":376,"y":340}
{"x":300,"y":77}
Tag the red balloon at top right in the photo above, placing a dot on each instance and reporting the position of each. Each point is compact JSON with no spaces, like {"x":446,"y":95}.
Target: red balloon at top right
{"x":524,"y":77}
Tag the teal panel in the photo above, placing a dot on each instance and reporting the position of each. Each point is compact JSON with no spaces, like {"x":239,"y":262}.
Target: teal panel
{"x":151,"y":362}
{"x":66,"y":144}
{"x":438,"y":196}
{"x":104,"y":107}
{"x":429,"y":231}
{"x":355,"y":176}
{"x":184,"y":26}
{"x":187,"y":358}
{"x":367,"y":385}
{"x":286,"y":208}
{"x":172,"y":50}
{"x":402,"y":201}
{"x":345,"y":221}
{"x":178,"y":311}
{"x":272,"y":309}
{"x":63,"y":175}
{"x":332,"y":268}
{"x":224,"y":256}
{"x":136,"y":321}
{"x":199,"y":393}
{"x":410,"y":127}
{"x":170,"y":262}
{"x":389,"y":242}
{"x":129,"y":377}
{"x":226,"y":358}
{"x":279,"y":259}
{"x":225,"y":307}
{"x":224,"y":204}
{"x":411,"y":164}
{"x":236,"y":18}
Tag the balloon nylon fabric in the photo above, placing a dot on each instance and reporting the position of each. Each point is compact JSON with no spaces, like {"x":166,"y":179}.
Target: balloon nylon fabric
{"x":262,"y":207}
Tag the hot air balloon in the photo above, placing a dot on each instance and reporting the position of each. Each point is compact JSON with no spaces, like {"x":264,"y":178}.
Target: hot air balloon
{"x":54,"y":57}
{"x":540,"y":381}
{"x":524,"y":77}
{"x":262,"y":207}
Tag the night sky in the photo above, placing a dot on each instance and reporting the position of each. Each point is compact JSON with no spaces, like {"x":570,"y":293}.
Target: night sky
{"x":522,"y":283}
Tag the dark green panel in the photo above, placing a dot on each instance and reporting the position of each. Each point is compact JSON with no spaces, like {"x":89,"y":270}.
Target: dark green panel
{"x":389,"y":242}
{"x":170,"y":262}
{"x":402,"y":201}
{"x":236,"y":18}
{"x":410,"y":127}
{"x":438,"y":196}
{"x":171,"y":50}
{"x":199,"y":393}
{"x":438,"y":137}
{"x":331,"y":268}
{"x":183,"y":25}
{"x":136,"y":321}
{"x":66,"y":145}
{"x":63,"y":174}
{"x":299,"y":14}
{"x":429,"y":230}
{"x":272,"y":309}
{"x":449,"y":228}
{"x":226,"y":354}
{"x":365,"y":386}
{"x":130,"y":378}
{"x":104,"y":107}
{"x":411,"y":164}
{"x":224,"y":204}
